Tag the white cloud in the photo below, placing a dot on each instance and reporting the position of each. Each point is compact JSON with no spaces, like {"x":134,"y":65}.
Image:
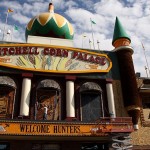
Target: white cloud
{"x":133,"y":14}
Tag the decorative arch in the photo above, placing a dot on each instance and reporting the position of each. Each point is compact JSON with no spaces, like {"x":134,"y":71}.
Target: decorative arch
{"x":7,"y":96}
{"x":5,"y":80}
{"x":90,"y":86}
{"x":48,"y":83}
{"x":48,"y":98}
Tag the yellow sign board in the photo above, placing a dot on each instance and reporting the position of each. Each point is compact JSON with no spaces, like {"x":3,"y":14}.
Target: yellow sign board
{"x":46,"y":58}
{"x":52,"y":129}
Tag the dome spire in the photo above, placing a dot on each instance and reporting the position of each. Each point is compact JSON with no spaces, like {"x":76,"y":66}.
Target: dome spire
{"x":51,"y":7}
{"x":119,"y":33}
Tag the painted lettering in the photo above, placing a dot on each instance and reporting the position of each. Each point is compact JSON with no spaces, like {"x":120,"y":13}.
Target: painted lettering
{"x":18,"y":50}
{"x":66,"y":129}
{"x":34,"y":128}
{"x":11,"y":51}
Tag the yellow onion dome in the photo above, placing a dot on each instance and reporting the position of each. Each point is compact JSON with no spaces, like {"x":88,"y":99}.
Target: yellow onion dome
{"x":50,"y":24}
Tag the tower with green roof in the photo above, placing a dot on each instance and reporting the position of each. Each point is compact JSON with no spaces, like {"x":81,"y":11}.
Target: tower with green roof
{"x":121,"y":41}
{"x":119,"y":32}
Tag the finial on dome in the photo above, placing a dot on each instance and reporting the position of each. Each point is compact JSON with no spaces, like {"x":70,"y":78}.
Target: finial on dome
{"x":51,"y":7}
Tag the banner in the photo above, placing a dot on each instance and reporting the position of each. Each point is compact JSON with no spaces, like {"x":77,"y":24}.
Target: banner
{"x":52,"y":129}
{"x":52,"y":59}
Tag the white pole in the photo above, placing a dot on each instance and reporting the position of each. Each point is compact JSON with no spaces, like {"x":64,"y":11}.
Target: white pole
{"x":12,"y":33}
{"x":70,"y":104}
{"x":90,"y":43}
{"x":146,"y":71}
{"x":82,"y":41}
{"x":83,"y":36}
{"x":25,"y":97}
{"x":98,"y":44}
{"x":5,"y":26}
{"x":92,"y":34}
{"x":146,"y":58}
{"x":110,"y":97}
{"x":102,"y":105}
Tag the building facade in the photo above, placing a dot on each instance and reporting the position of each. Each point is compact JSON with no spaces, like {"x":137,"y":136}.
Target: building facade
{"x":57,"y":97}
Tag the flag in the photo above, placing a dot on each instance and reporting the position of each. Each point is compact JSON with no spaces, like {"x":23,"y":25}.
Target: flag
{"x":93,"y":22}
{"x":10,"y":10}
{"x":16,"y":27}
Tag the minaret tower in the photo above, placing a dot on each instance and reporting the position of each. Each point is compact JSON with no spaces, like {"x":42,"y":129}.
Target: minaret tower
{"x":121,"y":42}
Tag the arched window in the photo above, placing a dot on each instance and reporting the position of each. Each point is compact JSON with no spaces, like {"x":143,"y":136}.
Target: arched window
{"x":47,"y":100}
{"x":91,"y":101}
{"x":7,"y":94}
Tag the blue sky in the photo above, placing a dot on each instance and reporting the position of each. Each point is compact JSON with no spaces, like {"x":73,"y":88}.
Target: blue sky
{"x":133,"y":14}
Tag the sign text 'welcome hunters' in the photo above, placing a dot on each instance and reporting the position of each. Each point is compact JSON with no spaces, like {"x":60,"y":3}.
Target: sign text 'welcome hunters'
{"x":52,"y":59}
{"x":16,"y":128}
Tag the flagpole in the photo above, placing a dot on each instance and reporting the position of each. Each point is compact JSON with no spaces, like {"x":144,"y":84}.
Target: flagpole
{"x":90,"y":43}
{"x":92,"y":33}
{"x":5,"y":25}
{"x":146,"y":58}
{"x":83,"y":36}
{"x":98,"y":44}
{"x":12,"y":33}
{"x":146,"y":71}
{"x":82,"y":41}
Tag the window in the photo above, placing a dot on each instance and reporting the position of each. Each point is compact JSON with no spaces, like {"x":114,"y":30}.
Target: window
{"x":6,"y":101}
{"x":90,"y":106}
{"x":7,"y":97}
{"x":91,"y":102}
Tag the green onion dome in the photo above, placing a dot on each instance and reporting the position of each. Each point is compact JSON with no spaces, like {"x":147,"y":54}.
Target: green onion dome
{"x":50,"y":24}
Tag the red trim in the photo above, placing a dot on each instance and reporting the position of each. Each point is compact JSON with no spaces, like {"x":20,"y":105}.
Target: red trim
{"x":70,"y":78}
{"x":109,"y":80}
{"x":71,"y":119}
{"x":27,"y":75}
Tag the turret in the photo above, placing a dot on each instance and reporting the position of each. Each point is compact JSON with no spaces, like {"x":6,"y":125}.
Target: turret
{"x":120,"y":37}
{"x":121,"y":42}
